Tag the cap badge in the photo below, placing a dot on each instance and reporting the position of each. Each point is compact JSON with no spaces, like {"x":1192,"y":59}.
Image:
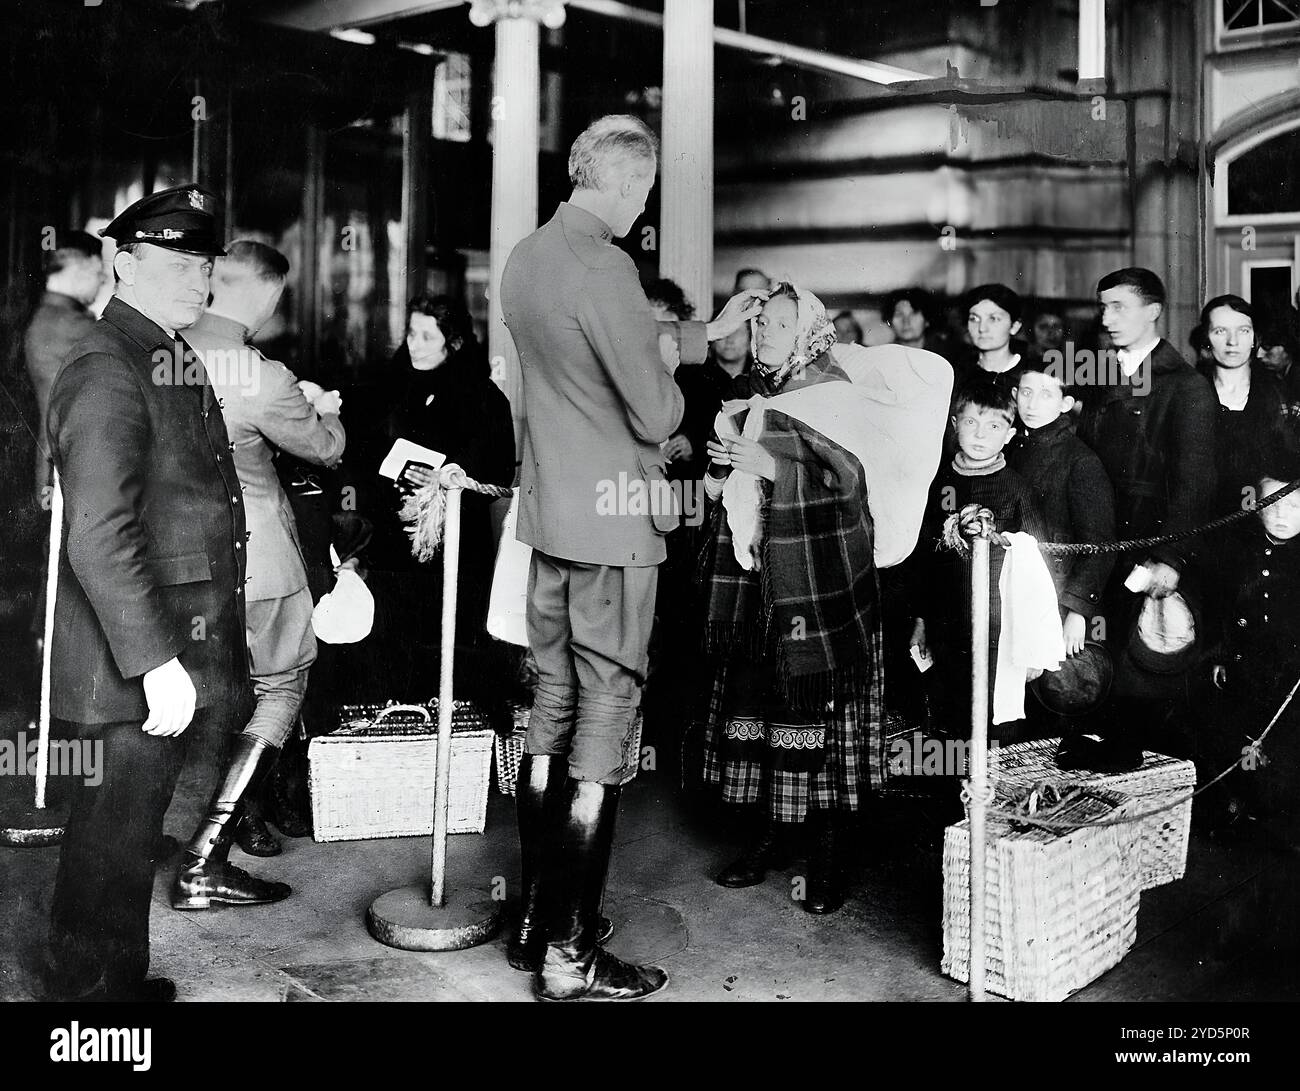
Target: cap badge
{"x":196,"y":200}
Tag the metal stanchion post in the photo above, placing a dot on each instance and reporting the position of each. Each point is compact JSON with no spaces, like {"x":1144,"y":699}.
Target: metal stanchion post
{"x":979,"y":718}
{"x":33,"y":826}
{"x":436,"y":917}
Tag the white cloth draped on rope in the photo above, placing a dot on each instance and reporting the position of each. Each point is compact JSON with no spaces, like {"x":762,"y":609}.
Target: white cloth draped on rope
{"x":1031,"y":637}
{"x":891,"y":416}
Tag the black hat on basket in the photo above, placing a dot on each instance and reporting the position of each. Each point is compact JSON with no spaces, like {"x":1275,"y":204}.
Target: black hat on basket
{"x":1080,"y":686}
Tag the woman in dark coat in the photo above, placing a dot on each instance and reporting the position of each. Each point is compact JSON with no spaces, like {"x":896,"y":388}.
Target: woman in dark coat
{"x":1253,"y":424}
{"x":441,"y":396}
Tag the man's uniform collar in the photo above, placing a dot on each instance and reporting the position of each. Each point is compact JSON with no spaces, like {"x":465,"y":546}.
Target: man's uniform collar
{"x":221,"y":326}
{"x":584,"y":222}
{"x":143,"y":331}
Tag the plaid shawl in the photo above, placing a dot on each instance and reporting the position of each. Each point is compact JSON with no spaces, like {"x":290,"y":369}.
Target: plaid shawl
{"x":810,"y":609}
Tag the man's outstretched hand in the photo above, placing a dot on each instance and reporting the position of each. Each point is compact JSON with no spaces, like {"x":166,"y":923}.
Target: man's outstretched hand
{"x":738,"y":310}
{"x":171,"y":698}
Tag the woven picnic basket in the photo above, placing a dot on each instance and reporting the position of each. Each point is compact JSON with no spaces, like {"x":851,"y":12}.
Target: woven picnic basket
{"x":375,"y":776}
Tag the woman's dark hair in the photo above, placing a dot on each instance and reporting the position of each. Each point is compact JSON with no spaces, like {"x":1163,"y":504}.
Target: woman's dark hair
{"x":669,"y":293}
{"x":463,"y":349}
{"x":919,"y":300}
{"x":998,"y":294}
{"x":1201,"y":335}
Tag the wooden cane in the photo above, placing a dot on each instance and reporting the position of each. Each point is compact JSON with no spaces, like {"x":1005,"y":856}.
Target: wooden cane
{"x":51,"y":590}
{"x":979,"y":711}
{"x":450,"y":567}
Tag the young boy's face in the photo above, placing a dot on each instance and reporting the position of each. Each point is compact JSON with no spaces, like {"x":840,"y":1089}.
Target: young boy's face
{"x":981,"y":433}
{"x":1281,"y":520}
{"x":1040,"y":399}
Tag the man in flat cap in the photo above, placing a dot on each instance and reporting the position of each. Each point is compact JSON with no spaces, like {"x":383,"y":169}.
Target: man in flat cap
{"x":149,"y":618}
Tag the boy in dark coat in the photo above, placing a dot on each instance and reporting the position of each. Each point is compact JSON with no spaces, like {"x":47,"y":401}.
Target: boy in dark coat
{"x":1070,"y":488}
{"x":1256,"y":655}
{"x":983,"y":420}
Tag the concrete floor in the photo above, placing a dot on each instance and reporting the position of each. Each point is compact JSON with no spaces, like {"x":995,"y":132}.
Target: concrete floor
{"x":1222,"y":933}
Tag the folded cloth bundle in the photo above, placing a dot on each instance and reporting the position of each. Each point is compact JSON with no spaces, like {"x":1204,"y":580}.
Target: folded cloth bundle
{"x":1031,"y":637}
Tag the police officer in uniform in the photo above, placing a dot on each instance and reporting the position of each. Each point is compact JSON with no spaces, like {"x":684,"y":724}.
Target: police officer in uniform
{"x":149,"y":619}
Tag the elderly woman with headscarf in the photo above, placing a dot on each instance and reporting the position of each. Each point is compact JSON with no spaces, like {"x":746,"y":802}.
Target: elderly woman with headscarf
{"x":795,"y":718}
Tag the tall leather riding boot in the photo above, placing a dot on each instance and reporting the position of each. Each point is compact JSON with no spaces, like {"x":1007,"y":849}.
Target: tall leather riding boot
{"x":206,"y":877}
{"x":772,"y":850}
{"x":538,"y":791}
{"x":574,"y":967}
{"x":825,"y":893}
{"x":535,"y":788}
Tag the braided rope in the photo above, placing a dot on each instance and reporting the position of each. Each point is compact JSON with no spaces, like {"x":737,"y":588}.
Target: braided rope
{"x":957,"y":522}
{"x":425,"y":511}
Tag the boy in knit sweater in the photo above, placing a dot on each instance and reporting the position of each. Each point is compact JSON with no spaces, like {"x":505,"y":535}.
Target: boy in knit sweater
{"x":984,"y":422}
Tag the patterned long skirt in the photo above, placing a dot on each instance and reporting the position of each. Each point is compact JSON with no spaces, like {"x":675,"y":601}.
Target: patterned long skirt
{"x":758,"y":750}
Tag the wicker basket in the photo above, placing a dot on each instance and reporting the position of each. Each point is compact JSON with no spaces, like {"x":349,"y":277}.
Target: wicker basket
{"x":1060,"y":909}
{"x":376,"y":777}
{"x":510,"y":752}
{"x":1162,"y":846}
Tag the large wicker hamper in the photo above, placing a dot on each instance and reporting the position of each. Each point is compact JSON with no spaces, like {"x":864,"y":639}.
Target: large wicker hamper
{"x":1162,"y":835}
{"x":1060,"y":908}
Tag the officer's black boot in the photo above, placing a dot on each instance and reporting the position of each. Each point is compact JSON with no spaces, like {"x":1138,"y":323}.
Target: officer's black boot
{"x":538,"y":793}
{"x":574,"y":967}
{"x":205,"y":877}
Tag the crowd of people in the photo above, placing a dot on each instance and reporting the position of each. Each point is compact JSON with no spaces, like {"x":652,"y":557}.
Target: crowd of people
{"x":806,"y":597}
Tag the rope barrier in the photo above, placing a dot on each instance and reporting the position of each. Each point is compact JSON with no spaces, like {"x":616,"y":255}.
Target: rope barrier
{"x":959,"y":526}
{"x":425,"y":510}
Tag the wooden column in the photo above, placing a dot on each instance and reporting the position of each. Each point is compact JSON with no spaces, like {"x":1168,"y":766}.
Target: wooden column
{"x":686,"y":194}
{"x":515,"y":105}
{"x":416,"y":126}
{"x":309,"y":273}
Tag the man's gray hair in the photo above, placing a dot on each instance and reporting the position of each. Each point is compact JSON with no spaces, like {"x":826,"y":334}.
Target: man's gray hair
{"x":606,"y":142}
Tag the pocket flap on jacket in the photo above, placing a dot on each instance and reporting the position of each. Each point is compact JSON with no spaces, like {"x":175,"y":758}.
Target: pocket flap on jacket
{"x":665,"y":510}
{"x":182,"y":568}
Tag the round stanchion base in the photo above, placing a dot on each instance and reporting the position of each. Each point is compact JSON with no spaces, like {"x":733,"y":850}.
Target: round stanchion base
{"x":22,"y":824}
{"x":404,"y":918}
{"x":29,"y":828}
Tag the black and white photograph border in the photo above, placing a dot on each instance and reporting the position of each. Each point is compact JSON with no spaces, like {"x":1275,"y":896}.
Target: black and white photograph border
{"x":535,"y":306}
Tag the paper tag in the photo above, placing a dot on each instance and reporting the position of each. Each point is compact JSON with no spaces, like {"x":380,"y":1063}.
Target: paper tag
{"x":1139,"y":580}
{"x":403,"y":452}
{"x":923,"y":662}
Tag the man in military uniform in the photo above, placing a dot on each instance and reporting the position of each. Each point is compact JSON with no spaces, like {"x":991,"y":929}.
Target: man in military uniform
{"x":74,"y":273}
{"x":149,"y":619}
{"x":264,"y":410}
{"x":599,"y":400}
